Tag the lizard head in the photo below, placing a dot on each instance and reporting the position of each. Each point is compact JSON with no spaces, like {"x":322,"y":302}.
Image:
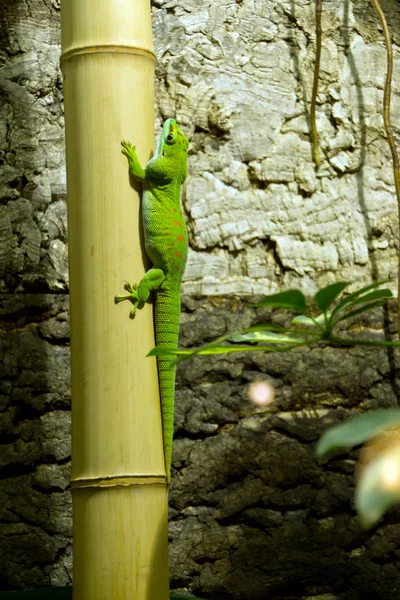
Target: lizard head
{"x":173,"y":147}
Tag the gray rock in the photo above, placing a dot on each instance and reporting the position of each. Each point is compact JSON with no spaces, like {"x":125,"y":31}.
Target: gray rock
{"x":253,"y":513}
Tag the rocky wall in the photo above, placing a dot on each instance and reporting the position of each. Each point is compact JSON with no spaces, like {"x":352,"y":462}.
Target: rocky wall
{"x":253,"y":514}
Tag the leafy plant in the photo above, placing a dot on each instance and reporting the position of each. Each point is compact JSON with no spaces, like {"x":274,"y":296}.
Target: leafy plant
{"x":378,"y":486}
{"x":379,"y":483}
{"x":305,"y":328}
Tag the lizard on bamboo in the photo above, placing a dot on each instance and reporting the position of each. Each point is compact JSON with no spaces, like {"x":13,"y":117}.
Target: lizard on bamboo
{"x":166,"y":243}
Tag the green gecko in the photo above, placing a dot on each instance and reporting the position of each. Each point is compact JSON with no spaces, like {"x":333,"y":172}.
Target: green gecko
{"x":166,"y":244}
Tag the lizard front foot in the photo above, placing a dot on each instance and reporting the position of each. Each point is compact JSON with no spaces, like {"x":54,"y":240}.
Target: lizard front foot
{"x":132,"y":296}
{"x":128,"y":149}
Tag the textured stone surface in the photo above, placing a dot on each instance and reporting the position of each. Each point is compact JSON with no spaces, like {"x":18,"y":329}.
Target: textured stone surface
{"x":260,"y":215}
{"x":35,"y":448}
{"x":33,"y":252}
{"x":253,"y":514}
{"x":237,"y":76}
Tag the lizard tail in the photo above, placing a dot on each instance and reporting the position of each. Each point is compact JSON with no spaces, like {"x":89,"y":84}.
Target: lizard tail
{"x":167,"y":314}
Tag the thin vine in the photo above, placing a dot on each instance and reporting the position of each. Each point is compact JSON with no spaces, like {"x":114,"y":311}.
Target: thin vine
{"x":389,"y":131}
{"x":318,"y":45}
{"x":386,"y":112}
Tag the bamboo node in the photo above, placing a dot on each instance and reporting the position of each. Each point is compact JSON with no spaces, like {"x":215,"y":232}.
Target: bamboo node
{"x":106,"y":49}
{"x":120,"y":480}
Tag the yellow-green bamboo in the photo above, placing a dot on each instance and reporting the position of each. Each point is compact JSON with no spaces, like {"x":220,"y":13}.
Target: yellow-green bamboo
{"x":118,"y":477}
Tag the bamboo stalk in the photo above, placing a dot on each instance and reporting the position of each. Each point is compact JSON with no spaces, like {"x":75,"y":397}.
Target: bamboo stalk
{"x":118,"y":476}
{"x":389,"y":132}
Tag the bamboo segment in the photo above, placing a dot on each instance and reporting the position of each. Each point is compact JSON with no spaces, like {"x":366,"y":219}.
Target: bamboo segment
{"x":118,"y":475}
{"x":127,"y":568}
{"x":114,"y":385}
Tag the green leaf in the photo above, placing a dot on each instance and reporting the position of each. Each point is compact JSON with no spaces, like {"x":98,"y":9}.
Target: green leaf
{"x":291,"y":299}
{"x":212,"y":349}
{"x":216,"y":348}
{"x":360,"y":309}
{"x":261,"y":327}
{"x":379,"y":486}
{"x":209,"y":349}
{"x":165,"y":351}
{"x":267,"y":336}
{"x":377,"y":294}
{"x":317,"y":322}
{"x":275,"y":328}
{"x":342,"y":304}
{"x":339,"y":341}
{"x":328,"y":294}
{"x":358,"y":430}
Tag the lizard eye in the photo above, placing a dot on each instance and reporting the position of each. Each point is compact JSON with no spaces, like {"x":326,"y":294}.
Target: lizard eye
{"x":170,"y":137}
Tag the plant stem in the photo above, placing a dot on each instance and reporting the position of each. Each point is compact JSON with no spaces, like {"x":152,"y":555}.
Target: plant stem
{"x":338,"y":341}
{"x":389,"y":132}
{"x":318,"y":43}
